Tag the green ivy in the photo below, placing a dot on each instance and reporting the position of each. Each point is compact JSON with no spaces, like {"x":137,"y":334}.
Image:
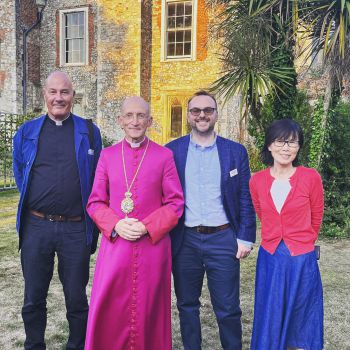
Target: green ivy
{"x":318,"y":133}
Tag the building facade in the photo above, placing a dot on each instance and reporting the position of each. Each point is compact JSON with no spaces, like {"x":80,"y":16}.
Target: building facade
{"x":159,"y":49}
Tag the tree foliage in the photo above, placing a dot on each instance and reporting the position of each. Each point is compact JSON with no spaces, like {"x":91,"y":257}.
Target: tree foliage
{"x":257,"y":62}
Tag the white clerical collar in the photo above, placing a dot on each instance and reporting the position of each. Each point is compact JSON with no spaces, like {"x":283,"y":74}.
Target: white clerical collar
{"x":135,"y":144}
{"x":58,"y":122}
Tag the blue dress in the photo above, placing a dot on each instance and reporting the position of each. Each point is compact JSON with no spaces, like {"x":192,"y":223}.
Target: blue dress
{"x":288,"y":310}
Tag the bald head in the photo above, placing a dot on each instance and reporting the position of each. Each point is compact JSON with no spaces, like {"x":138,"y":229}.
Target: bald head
{"x":135,"y":118}
{"x":136,"y":101}
{"x":58,"y":75}
{"x":59,"y":95}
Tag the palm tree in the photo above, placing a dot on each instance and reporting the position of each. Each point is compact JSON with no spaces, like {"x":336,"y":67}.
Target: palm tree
{"x":252,"y":46}
{"x":329,"y":21}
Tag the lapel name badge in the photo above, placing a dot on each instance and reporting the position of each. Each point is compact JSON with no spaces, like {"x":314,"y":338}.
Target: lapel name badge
{"x":233,"y":172}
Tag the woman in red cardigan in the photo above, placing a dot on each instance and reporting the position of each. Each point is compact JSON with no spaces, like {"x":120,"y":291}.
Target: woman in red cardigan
{"x":288,"y":199}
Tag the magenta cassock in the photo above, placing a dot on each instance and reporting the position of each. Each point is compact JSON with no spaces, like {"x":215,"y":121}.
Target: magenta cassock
{"x":130,"y":305}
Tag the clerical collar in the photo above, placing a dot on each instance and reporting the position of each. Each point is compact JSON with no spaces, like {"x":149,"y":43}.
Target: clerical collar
{"x":135,"y":144}
{"x":58,"y":122}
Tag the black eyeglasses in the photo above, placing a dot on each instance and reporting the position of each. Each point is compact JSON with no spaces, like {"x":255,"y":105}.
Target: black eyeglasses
{"x":291,"y":143}
{"x":197,"y":111}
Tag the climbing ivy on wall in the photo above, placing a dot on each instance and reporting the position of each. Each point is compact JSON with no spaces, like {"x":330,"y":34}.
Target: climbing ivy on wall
{"x":318,"y":132}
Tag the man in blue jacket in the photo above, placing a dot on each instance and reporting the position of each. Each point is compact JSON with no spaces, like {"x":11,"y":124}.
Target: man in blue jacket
{"x":53,"y":165}
{"x":217,"y":228}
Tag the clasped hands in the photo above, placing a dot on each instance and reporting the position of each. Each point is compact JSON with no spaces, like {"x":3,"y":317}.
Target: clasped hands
{"x":130,"y":229}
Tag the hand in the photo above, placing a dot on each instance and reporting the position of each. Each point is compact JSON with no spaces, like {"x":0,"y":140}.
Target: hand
{"x":140,"y":227}
{"x":130,"y":229}
{"x":243,"y":251}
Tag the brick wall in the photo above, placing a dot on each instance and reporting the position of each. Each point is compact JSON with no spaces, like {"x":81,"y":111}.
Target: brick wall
{"x":26,"y":18}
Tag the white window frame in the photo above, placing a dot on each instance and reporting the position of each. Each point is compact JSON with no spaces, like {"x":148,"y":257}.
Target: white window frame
{"x":62,"y":13}
{"x":164,"y":45}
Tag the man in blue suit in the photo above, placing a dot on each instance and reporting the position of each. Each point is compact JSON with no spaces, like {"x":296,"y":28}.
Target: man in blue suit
{"x":54,"y":159}
{"x":217,"y":228}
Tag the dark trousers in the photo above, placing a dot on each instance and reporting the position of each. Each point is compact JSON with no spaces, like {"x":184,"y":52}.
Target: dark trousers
{"x":215,"y":255}
{"x":41,"y":240}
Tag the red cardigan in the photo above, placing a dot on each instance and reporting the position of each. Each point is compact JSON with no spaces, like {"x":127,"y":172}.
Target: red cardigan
{"x":300,"y":219}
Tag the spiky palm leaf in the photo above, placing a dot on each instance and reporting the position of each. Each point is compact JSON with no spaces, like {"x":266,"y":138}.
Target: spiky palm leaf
{"x":249,"y":68}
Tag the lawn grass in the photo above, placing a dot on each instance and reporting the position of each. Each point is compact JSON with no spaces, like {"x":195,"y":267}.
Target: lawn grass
{"x":334,"y":265}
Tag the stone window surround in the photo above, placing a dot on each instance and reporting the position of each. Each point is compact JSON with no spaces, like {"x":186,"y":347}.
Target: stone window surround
{"x":61,"y":36}
{"x":164,"y":33}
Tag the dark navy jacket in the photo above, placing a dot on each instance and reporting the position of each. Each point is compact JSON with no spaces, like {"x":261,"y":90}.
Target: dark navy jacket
{"x":25,"y":146}
{"x":235,"y":189}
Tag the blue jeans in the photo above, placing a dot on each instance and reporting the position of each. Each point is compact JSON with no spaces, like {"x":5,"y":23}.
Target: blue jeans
{"x":215,"y":255}
{"x":43,"y":239}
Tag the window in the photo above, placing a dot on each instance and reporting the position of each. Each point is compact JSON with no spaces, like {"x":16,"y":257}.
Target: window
{"x":74,"y":37}
{"x":177,"y":107}
{"x":178,"y":29}
{"x":176,"y":121}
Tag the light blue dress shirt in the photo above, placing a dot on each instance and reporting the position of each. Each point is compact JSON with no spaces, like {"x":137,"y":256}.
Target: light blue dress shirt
{"x":203,"y":204}
{"x":203,"y":191}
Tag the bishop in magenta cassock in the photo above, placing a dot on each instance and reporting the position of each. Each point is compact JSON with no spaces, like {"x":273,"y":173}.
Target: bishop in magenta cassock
{"x":135,"y":201}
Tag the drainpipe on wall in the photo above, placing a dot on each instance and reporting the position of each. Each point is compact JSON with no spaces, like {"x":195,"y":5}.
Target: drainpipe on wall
{"x":26,"y":32}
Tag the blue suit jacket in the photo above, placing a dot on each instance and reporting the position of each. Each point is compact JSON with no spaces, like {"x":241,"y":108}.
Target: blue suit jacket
{"x":234,"y":189}
{"x":25,"y":147}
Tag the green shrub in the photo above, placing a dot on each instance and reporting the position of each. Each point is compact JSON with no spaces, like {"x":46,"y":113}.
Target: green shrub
{"x":335,"y":170}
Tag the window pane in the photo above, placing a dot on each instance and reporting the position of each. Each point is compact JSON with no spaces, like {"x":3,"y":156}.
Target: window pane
{"x":188,"y":21}
{"x":171,"y":37}
{"x":171,"y":49}
{"x":68,"y":57}
{"x":179,"y":36}
{"x":179,"y":49}
{"x":80,"y":18}
{"x":188,"y":35}
{"x":188,"y":8}
{"x":82,"y":51}
{"x":180,"y":8}
{"x":74,"y":37}
{"x":179,"y":16}
{"x":171,"y":9}
{"x":68,"y":19}
{"x":75,"y":44}
{"x":187,"y":49}
{"x":179,"y":22}
{"x":81,"y":31}
{"x":171,"y":22}
{"x":75,"y":18}
{"x":73,"y":32}
{"x":75,"y":57}
{"x":176,"y":121}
